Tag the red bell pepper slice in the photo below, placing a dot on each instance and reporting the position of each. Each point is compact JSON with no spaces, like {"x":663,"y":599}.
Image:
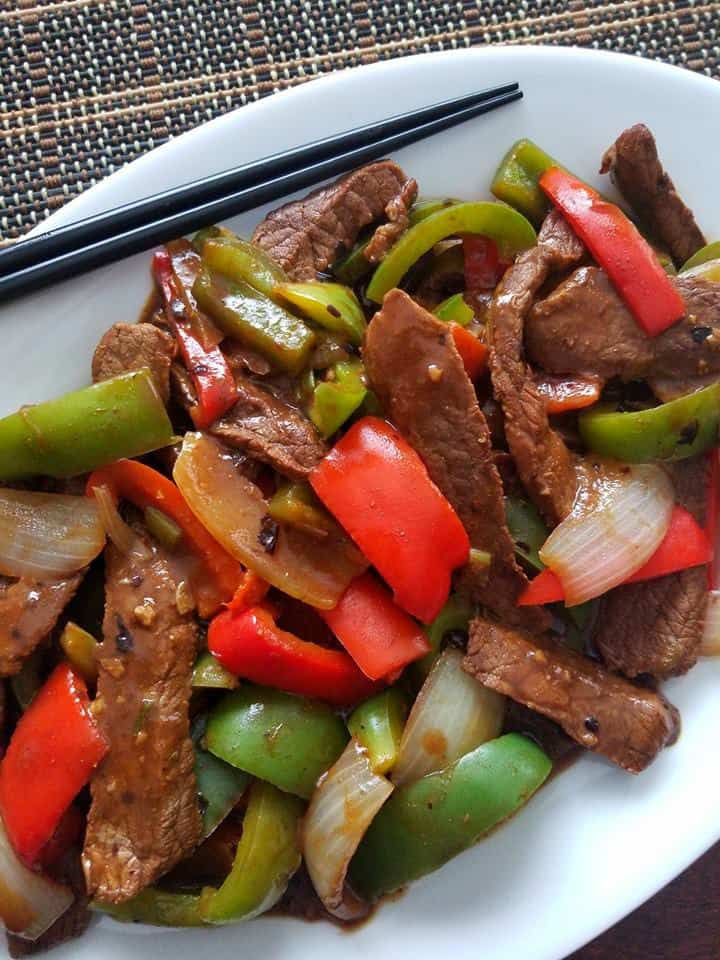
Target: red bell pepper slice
{"x":684,"y":545}
{"x":54,"y":749}
{"x":483,"y":266}
{"x":563,"y":394}
{"x":251,"y":645}
{"x":220,"y":575}
{"x":473,"y":352}
{"x":378,"y":488}
{"x":380,"y":637}
{"x":214,"y":381}
{"x":713,"y":522}
{"x":619,"y":248}
{"x":252,"y":591}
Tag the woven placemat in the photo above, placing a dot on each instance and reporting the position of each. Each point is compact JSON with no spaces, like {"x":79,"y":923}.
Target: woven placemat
{"x":88,"y":86}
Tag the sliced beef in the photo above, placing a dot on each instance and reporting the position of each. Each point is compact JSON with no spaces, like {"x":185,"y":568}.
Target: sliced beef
{"x":29,"y":609}
{"x":131,"y":346}
{"x":271,"y":431}
{"x":419,"y":377}
{"x":305,"y":236}
{"x":583,"y":326}
{"x":389,"y":233}
{"x":656,"y":627}
{"x":601,"y":711}
{"x":666,"y":389}
{"x":635,"y":167}
{"x":545,"y":465}
{"x":144,"y":817}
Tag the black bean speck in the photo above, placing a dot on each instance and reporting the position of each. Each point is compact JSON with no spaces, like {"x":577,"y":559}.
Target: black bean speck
{"x":333,"y":310}
{"x":456,"y":638}
{"x":592,"y":724}
{"x":689,"y":432}
{"x":268,"y":536}
{"x":136,"y":579}
{"x":700,"y":333}
{"x":123,"y":638}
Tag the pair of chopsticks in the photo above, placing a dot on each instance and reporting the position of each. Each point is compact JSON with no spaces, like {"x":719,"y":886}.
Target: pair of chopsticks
{"x":133,"y":227}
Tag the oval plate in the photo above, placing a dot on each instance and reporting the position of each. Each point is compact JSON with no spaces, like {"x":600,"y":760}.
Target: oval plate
{"x":595,"y":842}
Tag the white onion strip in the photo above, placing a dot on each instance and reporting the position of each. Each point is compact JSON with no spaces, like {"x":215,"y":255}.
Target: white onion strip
{"x":610,"y":532}
{"x":342,"y":808}
{"x":710,"y":646}
{"x":453,"y":714}
{"x":47,"y":534}
{"x":29,"y":902}
{"x":114,"y":525}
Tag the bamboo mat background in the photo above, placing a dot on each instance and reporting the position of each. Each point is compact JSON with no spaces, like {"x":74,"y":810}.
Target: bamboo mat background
{"x":88,"y":85}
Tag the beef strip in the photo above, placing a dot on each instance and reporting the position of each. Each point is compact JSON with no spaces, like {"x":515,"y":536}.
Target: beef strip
{"x":419,"y":377}
{"x":389,"y":233}
{"x":29,"y":609}
{"x":305,"y":236}
{"x":583,"y":326}
{"x":144,"y":817}
{"x":271,"y":431}
{"x":545,"y":465}
{"x":656,"y":627}
{"x":131,"y":346}
{"x":666,"y":389}
{"x":600,"y":710}
{"x":636,"y":169}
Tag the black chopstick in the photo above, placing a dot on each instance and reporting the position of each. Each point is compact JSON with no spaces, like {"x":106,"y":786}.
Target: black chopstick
{"x":134,"y":227}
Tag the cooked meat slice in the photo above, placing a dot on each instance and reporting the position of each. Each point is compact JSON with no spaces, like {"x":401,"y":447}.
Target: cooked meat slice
{"x":389,"y":233}
{"x":544,"y":463}
{"x":144,"y":817}
{"x":656,"y":627}
{"x":635,"y":167}
{"x":131,"y":346}
{"x":271,"y":431}
{"x":305,"y":236}
{"x":418,"y":375}
{"x":583,"y":326}
{"x":601,"y":711}
{"x":29,"y":609}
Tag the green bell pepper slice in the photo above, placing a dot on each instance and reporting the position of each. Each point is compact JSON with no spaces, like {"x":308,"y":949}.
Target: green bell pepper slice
{"x":353,"y":266}
{"x":335,"y":400}
{"x":378,"y":726}
{"x":80,"y":648}
{"x":267,"y":856}
{"x":210,"y":674}
{"x":331,"y":305}
{"x":455,"y":615}
{"x":288,"y":741}
{"x":516,"y":179}
{"x":426,"y":823}
{"x":84,"y":430}
{"x":160,"y":908}
{"x":242,"y":262}
{"x":220,"y":785}
{"x":162,"y":527}
{"x":711,"y":251}
{"x":675,"y":430}
{"x":527,"y":529}
{"x":245,"y":314}
{"x":296,"y":505}
{"x":455,"y":310}
{"x":508,"y":228}
{"x":709,"y":270}
{"x":429,"y":205}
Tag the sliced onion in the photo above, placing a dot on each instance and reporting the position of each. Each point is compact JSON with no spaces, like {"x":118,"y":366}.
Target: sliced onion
{"x":113,"y":524}
{"x":29,"y":902}
{"x":342,"y":808}
{"x":453,"y":714}
{"x":233,"y":510}
{"x":616,"y":524}
{"x":711,"y":631}
{"x":47,"y":534}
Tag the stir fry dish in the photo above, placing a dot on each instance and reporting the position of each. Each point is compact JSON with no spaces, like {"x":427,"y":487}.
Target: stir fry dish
{"x":365,"y":526}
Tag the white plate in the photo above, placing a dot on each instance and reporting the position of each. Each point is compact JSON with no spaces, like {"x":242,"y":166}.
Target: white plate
{"x":596,"y":842}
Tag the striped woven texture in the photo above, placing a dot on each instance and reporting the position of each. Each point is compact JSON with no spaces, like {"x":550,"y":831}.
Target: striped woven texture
{"x":88,"y":86}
